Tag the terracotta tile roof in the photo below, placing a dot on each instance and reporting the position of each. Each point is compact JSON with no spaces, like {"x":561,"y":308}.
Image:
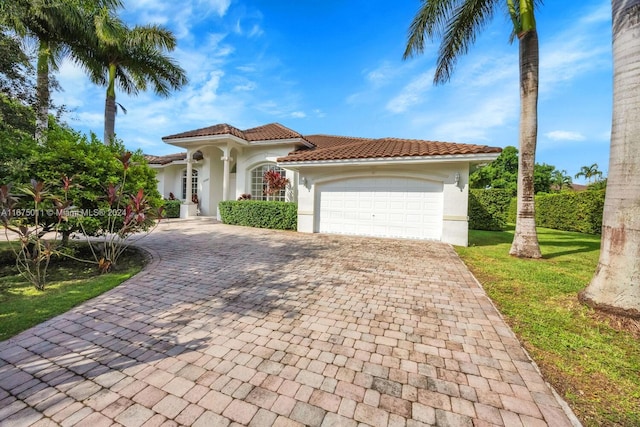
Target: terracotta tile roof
{"x":169,"y":158}
{"x":344,"y":148}
{"x":164,"y":160}
{"x":269,"y":132}
{"x":261,"y":133}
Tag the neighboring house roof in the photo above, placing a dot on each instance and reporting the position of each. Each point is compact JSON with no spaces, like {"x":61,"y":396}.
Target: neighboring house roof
{"x":261,"y":133}
{"x":346,"y":148}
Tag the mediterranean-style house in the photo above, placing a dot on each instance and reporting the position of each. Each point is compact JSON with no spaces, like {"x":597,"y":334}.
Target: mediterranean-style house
{"x":384,"y":187}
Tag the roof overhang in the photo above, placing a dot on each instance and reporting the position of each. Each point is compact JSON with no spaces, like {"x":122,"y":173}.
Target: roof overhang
{"x":215,"y":140}
{"x":199,"y":141}
{"x":452,"y":158}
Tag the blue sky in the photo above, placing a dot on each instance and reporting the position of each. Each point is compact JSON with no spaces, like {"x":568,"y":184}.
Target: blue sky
{"x":335,"y":67}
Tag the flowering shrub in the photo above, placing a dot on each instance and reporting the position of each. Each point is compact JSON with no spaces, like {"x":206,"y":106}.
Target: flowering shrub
{"x":275,"y":183}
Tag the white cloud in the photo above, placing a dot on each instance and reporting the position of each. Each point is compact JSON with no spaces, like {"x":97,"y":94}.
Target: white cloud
{"x":245,"y":87}
{"x":563,"y":135}
{"x":382,"y":75}
{"x":256,"y":31}
{"x":412,"y":94}
{"x":298,"y":115}
{"x":575,"y":51}
{"x":474,"y":122}
{"x":220,"y":7}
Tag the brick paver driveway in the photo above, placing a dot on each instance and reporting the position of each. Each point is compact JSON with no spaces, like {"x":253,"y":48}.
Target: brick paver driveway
{"x":257,"y":327}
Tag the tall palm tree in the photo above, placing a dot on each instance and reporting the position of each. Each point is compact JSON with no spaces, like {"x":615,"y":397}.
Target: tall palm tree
{"x":458,"y":22}
{"x":55,"y":25}
{"x":131,"y":59}
{"x":616,"y":284}
{"x":589,"y":172}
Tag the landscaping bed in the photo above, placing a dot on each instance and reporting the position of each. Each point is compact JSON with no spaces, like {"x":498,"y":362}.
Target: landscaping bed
{"x":70,"y":283}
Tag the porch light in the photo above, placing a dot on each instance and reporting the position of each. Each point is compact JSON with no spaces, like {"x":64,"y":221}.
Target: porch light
{"x":456,"y":178}
{"x":303,"y":180}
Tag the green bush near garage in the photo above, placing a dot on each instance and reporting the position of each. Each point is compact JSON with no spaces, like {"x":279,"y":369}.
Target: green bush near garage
{"x":172,"y":208}
{"x":260,"y":214}
{"x":488,"y":209}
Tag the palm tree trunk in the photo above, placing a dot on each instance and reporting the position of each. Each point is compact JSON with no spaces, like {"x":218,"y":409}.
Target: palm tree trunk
{"x":110,"y":107}
{"x":615,"y":287}
{"x":109,"y":119}
{"x":42,"y":92}
{"x":525,"y":240}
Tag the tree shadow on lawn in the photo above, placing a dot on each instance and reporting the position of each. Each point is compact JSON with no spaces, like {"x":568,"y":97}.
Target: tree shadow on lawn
{"x":553,"y":243}
{"x":556,"y":243}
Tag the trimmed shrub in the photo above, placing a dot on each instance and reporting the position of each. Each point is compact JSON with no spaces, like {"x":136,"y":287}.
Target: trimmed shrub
{"x":488,"y":209}
{"x":512,"y":212}
{"x":260,"y":214}
{"x":571,"y":211}
{"x":172,"y":208}
{"x":568,"y":211}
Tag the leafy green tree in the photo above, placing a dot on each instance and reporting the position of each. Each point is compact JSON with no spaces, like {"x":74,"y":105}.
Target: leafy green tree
{"x":16,"y":71}
{"x":132,"y":59}
{"x":615,"y":286}
{"x":502,"y":173}
{"x":457,"y":23}
{"x":543,"y":177}
{"x":17,"y":118}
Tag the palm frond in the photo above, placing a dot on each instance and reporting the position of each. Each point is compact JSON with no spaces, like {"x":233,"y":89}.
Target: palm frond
{"x":430,"y":21}
{"x":461,"y":32}
{"x":152,"y":35}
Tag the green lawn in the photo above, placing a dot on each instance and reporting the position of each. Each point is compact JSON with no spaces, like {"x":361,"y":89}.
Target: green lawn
{"x":69,"y":283}
{"x":591,"y":359}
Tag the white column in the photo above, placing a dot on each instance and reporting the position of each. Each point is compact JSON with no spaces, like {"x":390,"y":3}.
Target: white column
{"x":189,"y":174}
{"x":187,"y":209}
{"x":225,"y":177}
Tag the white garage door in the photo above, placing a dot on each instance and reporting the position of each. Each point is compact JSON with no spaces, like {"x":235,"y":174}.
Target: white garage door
{"x":385,"y":207}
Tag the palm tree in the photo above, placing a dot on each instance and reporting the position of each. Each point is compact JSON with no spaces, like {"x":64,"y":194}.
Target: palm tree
{"x":55,"y":25}
{"x":458,"y":22}
{"x":589,"y":172}
{"x":616,"y":284}
{"x":132,"y":59}
{"x":560,"y":180}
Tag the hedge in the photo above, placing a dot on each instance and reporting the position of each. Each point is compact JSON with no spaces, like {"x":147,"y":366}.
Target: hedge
{"x":260,"y":214}
{"x":488,"y":209}
{"x":567,"y":211}
{"x":172,"y":208}
{"x":571,"y":211}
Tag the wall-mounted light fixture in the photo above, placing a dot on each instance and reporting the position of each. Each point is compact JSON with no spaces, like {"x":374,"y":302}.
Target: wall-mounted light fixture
{"x":303,"y":180}
{"x":456,"y":178}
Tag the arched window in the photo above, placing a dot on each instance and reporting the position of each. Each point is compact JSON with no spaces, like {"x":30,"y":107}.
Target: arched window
{"x":194,"y":183}
{"x":258,"y":185}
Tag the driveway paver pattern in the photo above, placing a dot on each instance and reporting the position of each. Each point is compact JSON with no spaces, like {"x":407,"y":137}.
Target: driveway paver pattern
{"x":240,"y":326}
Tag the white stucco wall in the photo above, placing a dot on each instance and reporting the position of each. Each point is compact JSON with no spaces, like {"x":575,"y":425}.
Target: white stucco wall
{"x":455,"y":197}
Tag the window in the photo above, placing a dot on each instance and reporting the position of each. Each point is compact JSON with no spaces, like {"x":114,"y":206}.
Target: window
{"x":258,"y":185}
{"x":194,"y":183}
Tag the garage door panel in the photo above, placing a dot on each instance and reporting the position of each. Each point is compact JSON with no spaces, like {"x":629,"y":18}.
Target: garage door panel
{"x":381,"y":206}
